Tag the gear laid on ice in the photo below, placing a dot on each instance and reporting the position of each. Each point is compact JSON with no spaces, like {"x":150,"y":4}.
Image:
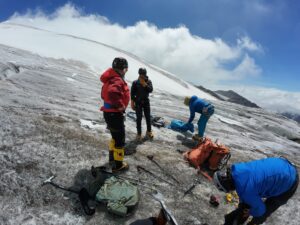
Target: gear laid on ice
{"x":214,"y":201}
{"x":120,"y":195}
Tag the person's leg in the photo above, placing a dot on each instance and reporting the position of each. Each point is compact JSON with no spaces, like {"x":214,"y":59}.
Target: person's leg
{"x":147,"y":113}
{"x":139,"y":115}
{"x":115,"y":122}
{"x":202,"y":125}
{"x":203,"y":120}
{"x":273,"y":203}
{"x":111,"y":145}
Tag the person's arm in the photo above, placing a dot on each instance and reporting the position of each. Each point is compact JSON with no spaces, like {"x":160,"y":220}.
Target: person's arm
{"x":257,"y":206}
{"x":133,"y":95}
{"x":192,"y":114}
{"x":133,"y":91}
{"x":115,"y":95}
{"x":149,"y":87}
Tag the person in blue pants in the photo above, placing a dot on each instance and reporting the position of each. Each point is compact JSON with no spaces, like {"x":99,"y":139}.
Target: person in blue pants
{"x":262,"y":186}
{"x":203,"y":107}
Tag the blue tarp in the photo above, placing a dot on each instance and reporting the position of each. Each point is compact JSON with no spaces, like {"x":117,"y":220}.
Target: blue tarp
{"x":181,"y":126}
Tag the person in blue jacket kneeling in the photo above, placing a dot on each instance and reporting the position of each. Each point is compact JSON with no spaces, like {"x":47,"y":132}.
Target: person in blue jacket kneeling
{"x":203,"y":107}
{"x":273,"y":179}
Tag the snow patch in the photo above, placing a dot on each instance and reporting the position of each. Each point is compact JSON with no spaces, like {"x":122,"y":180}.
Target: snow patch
{"x":228,"y":121}
{"x":90,"y":124}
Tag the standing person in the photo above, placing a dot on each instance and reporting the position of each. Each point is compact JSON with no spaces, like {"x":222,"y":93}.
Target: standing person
{"x":206,"y":109}
{"x":274,"y":179}
{"x":140,"y":102}
{"x":115,"y":94}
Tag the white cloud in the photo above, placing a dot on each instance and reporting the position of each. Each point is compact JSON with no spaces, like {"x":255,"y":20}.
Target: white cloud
{"x":247,"y":68}
{"x":191,"y":57}
{"x":269,"y":98}
{"x":246,"y":43}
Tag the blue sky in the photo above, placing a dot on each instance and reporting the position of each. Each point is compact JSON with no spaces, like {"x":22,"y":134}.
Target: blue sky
{"x":274,"y":25}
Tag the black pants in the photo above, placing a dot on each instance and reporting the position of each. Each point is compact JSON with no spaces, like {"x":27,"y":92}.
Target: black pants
{"x":139,"y":108}
{"x":273,"y":203}
{"x":115,"y":123}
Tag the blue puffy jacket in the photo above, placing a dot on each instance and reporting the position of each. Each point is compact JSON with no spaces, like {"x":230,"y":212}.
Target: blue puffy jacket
{"x":262,"y":179}
{"x":196,"y":105}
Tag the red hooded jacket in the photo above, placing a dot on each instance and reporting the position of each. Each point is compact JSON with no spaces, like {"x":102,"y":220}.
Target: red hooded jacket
{"x":114,"y":92}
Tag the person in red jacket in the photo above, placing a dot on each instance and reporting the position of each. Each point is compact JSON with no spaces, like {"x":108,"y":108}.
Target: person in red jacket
{"x":115,"y":94}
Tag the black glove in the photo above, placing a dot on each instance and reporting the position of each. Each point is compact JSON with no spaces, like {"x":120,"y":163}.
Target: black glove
{"x":238,"y":216}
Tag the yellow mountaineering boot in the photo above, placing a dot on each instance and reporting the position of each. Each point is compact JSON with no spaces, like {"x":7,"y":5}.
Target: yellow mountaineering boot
{"x":119,"y":165}
{"x":149,"y":135}
{"x":111,"y":146}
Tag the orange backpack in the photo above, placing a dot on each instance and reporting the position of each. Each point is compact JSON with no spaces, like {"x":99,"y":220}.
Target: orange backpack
{"x":213,"y":155}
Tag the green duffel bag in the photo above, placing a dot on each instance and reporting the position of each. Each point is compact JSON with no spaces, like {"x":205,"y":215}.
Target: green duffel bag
{"x":120,"y":195}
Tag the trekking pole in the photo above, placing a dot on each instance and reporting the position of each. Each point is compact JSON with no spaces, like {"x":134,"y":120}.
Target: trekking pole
{"x":189,"y":190}
{"x":151,"y":158}
{"x":152,"y":174}
{"x":82,"y":194}
{"x":49,"y":181}
{"x":133,"y":180}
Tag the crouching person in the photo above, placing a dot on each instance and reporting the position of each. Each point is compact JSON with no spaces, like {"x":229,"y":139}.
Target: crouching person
{"x":115,"y":94}
{"x":206,"y":110}
{"x":274,"y":179}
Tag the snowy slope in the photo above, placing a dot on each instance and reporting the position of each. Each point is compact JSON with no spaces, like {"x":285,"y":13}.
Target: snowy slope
{"x":97,"y":55}
{"x":50,"y":124}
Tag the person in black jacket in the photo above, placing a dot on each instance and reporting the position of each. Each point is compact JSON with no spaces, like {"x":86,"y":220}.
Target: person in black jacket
{"x":140,"y":102}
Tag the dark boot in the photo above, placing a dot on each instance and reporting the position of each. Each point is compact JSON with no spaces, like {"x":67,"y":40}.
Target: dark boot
{"x":120,"y":166}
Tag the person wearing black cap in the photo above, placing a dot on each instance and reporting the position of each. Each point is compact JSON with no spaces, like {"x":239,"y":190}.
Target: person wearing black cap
{"x":140,"y":102}
{"x":116,"y":96}
{"x":273,"y":179}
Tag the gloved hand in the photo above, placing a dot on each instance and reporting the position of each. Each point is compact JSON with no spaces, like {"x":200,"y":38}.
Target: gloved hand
{"x":142,"y":81}
{"x":205,"y":110}
{"x":246,"y":213}
{"x":121,"y":109}
{"x":238,"y":216}
{"x":132,"y":105}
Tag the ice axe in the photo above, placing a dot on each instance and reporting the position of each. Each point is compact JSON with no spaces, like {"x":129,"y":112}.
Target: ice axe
{"x":49,"y":181}
{"x":151,"y":158}
{"x":82,"y":194}
{"x":160,"y":198}
{"x":189,"y":190}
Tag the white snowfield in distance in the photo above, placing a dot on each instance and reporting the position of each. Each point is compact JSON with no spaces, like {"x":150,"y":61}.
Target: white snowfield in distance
{"x":97,"y":55}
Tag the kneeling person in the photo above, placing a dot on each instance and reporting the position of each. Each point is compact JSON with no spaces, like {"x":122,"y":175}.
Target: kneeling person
{"x":274,"y":179}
